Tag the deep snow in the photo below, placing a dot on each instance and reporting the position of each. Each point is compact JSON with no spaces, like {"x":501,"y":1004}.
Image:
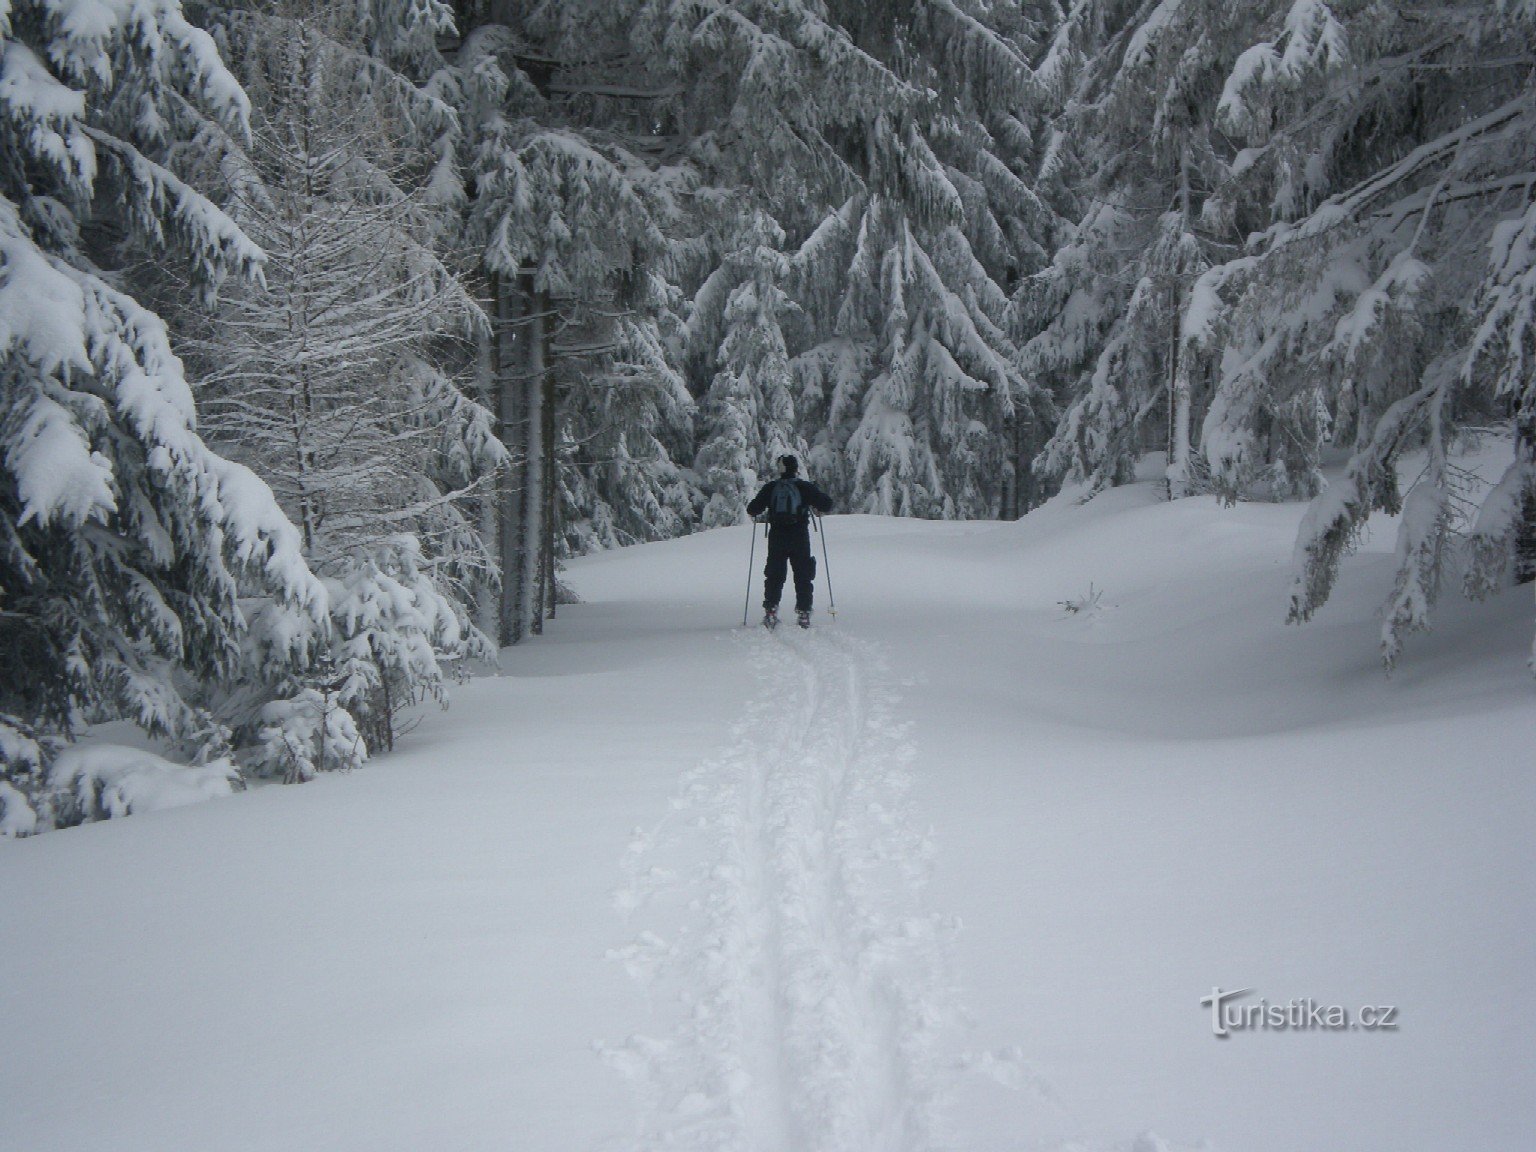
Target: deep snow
{"x":952,"y":871}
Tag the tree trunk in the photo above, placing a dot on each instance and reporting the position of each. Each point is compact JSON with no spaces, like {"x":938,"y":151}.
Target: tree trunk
{"x":532,"y":384}
{"x":1008,"y":498}
{"x":1180,"y":406}
{"x":488,"y":502}
{"x":526,"y":406}
{"x":513,"y":426}
{"x":551,"y":493}
{"x":1023,"y":468}
{"x":1525,"y":534}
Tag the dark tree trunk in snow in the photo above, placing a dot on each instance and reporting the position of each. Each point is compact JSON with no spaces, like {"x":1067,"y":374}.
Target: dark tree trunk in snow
{"x":549,"y":492}
{"x":525,"y":396}
{"x":1180,"y":405}
{"x":1018,"y":486}
{"x":1525,"y":534}
{"x":511,"y":422}
{"x":534,"y":370}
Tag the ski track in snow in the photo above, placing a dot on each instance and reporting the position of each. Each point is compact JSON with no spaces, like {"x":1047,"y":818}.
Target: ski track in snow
{"x":808,"y":977}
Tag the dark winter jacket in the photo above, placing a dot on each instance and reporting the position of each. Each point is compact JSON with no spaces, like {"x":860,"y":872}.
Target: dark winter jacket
{"x":810,"y":496}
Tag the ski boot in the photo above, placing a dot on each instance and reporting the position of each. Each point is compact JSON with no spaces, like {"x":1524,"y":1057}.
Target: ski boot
{"x":803,"y":617}
{"x":770,"y":618}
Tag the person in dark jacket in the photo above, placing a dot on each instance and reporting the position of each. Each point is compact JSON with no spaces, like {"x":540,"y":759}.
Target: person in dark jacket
{"x":788,"y":511}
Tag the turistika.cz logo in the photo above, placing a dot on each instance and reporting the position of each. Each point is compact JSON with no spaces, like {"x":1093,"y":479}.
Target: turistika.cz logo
{"x":1303,"y":1015}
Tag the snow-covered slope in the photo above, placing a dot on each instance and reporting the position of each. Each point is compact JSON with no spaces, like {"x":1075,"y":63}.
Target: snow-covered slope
{"x":952,"y":871}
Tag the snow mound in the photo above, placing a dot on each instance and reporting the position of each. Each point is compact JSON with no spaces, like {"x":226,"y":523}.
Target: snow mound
{"x":103,"y":781}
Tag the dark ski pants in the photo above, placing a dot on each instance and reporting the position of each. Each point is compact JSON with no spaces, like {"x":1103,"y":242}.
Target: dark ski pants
{"x":789,"y":548}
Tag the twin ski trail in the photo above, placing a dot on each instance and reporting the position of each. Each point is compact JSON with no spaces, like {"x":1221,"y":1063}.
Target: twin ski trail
{"x":808,"y":976}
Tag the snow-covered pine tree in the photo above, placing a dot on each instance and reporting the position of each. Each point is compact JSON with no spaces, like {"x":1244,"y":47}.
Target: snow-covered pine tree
{"x":989,"y":142}
{"x":949,"y":224}
{"x":930,"y":440}
{"x":1327,"y":183}
{"x":628,"y":418}
{"x":626,"y":421}
{"x":1134,"y":89}
{"x":328,"y":379}
{"x":848,"y":126}
{"x":567,"y":198}
{"x":764,"y":91}
{"x":125,"y":542}
{"x":1503,"y":357}
{"x":1391,"y":153}
{"x":747,"y":417}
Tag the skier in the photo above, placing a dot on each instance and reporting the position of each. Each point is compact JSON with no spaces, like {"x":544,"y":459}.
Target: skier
{"x":788,"y":502}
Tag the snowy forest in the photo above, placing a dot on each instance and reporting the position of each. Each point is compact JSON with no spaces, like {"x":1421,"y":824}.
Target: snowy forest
{"x":334,"y":329}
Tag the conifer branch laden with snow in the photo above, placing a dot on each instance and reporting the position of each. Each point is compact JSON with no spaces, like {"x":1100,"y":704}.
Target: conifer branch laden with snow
{"x":125,"y":543}
{"x":338,"y":377}
{"x":878,"y":145}
{"x":748,"y":414}
{"x":567,"y":214}
{"x":1335,"y":268}
{"x":1410,"y":306}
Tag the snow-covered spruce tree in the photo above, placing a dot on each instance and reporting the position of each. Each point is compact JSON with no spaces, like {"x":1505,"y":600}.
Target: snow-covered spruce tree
{"x":125,"y":542}
{"x":1503,"y":356}
{"x":848,"y":127}
{"x":565,"y":217}
{"x":1392,"y":154}
{"x":1503,"y":359}
{"x":747,"y":417}
{"x":949,"y":415}
{"x":761,"y":92}
{"x":1135,"y":89}
{"x":1327,"y":184}
{"x":1064,"y":313}
{"x":328,"y":379}
{"x":944,"y":378}
{"x":627,"y":417}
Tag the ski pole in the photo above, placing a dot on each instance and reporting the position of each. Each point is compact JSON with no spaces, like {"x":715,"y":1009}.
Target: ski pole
{"x":827,"y":564}
{"x":751,"y":558}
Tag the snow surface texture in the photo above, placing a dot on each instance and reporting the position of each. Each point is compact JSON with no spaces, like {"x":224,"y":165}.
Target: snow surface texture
{"x":1125,"y":807}
{"x":812,"y":985}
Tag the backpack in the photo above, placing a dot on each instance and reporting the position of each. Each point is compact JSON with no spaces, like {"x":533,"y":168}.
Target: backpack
{"x":785,"y":504}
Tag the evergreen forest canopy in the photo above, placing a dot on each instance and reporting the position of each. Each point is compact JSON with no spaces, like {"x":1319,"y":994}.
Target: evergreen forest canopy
{"x":330,"y":327}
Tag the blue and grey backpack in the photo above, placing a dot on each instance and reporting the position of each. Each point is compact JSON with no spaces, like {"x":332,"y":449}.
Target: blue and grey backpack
{"x":785,"y":504}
